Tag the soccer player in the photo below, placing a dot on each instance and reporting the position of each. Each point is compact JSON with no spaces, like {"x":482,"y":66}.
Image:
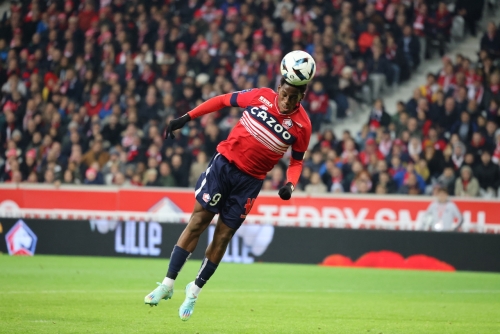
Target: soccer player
{"x":271,"y":123}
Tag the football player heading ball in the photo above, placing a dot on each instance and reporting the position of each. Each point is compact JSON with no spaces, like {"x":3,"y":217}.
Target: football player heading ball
{"x":270,"y":124}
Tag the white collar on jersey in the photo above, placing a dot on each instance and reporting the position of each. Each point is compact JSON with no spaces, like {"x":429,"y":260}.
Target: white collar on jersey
{"x":278,"y":107}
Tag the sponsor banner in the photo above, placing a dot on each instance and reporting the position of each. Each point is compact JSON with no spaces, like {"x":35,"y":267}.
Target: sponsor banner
{"x":169,"y":205}
{"x":463,"y":251}
{"x":103,"y":237}
{"x":100,"y":237}
{"x":252,"y":243}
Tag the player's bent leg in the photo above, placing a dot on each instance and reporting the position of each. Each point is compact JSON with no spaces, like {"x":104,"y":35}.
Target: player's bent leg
{"x":222,"y":235}
{"x":199,"y":221}
{"x":213,"y":256}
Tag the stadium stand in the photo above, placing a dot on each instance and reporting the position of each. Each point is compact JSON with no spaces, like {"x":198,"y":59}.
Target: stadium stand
{"x":88,"y":87}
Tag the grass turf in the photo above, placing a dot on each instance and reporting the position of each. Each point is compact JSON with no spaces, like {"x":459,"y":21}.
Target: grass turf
{"x":50,"y":294}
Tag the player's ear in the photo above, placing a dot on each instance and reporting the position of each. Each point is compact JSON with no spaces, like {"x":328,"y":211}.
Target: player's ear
{"x":301,"y":97}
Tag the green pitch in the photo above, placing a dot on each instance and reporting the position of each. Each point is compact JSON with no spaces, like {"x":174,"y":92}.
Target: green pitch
{"x":105,"y":295}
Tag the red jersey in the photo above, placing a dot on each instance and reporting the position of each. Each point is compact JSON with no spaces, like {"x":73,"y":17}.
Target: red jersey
{"x":263,"y":134}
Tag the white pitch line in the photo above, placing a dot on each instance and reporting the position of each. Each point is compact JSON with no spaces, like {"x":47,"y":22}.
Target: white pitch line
{"x":265,"y":290}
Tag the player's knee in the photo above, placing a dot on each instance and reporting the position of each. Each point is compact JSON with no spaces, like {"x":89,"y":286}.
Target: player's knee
{"x":197,"y":224}
{"x":224,"y":237}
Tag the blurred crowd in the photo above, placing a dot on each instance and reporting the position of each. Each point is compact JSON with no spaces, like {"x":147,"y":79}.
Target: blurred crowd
{"x":446,"y":136}
{"x":87,"y":88}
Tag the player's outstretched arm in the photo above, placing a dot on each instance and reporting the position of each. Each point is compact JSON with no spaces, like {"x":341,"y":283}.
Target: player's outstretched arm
{"x":211,"y":105}
{"x":176,"y":124}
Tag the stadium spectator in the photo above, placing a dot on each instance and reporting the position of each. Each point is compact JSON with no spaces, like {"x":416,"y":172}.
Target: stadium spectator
{"x":197,"y":168}
{"x":317,"y":104}
{"x":434,"y":158}
{"x":150,"y":178}
{"x":380,"y":71}
{"x":367,"y":37}
{"x":316,"y":186}
{"x":478,"y":144}
{"x":466,"y":185}
{"x":91,"y":177}
{"x":465,"y":127}
{"x":411,"y":47}
{"x":448,"y":116}
{"x":360,"y":78}
{"x":471,"y":11}
{"x":488,"y":175}
{"x":410,"y":186}
{"x":96,"y":154}
{"x":378,"y":116}
{"x":490,"y":42}
{"x":440,"y":26}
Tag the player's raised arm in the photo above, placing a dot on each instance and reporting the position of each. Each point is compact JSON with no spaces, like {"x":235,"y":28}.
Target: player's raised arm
{"x":236,"y":99}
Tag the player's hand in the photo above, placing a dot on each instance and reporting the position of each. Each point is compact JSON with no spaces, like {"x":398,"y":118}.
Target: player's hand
{"x":286,"y":191}
{"x":176,"y":124}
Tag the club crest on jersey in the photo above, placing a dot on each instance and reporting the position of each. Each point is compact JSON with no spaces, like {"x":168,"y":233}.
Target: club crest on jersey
{"x":265,"y":101}
{"x":206,"y":197}
{"x":287,"y":123}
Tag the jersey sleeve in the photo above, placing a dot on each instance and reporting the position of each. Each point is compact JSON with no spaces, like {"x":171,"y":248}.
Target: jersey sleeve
{"x":237,"y":99}
{"x":211,"y":105}
{"x":299,"y":148}
{"x":243,"y":98}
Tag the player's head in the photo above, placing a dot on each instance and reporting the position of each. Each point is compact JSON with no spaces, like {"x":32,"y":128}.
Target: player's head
{"x":289,"y":96}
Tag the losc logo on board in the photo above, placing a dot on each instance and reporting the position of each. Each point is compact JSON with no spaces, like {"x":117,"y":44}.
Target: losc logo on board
{"x":21,"y":240}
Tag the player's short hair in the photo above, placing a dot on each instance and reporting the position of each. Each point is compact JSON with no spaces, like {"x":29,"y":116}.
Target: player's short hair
{"x":301,"y":88}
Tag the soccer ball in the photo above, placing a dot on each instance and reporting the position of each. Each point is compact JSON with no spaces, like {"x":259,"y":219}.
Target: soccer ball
{"x":298,"y":68}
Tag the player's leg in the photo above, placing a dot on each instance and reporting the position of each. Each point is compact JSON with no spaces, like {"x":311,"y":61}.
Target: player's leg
{"x":213,"y":255}
{"x":233,"y":211}
{"x":199,"y":221}
{"x":206,"y":207}
{"x":186,"y":244}
{"x":222,"y":235}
